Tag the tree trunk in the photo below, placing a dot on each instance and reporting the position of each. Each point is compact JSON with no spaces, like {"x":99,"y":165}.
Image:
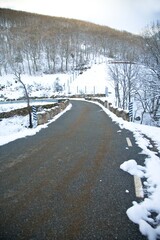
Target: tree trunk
{"x":18,"y":76}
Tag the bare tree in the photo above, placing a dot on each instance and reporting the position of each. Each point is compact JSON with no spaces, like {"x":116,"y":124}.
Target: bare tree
{"x":151,"y":59}
{"x":17,"y":69}
{"x":115,"y":75}
{"x":125,"y":75}
{"x":17,"y":75}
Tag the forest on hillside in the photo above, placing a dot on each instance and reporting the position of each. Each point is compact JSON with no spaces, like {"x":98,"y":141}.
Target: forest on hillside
{"x":38,"y":44}
{"x":53,"y":44}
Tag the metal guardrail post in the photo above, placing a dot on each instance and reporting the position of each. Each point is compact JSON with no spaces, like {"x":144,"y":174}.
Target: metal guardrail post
{"x":130,"y":111}
{"x":34,"y":116}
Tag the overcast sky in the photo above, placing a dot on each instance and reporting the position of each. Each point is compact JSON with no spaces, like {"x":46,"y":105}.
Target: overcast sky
{"x":129,"y":15}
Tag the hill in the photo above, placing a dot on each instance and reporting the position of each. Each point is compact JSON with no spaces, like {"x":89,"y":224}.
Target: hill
{"x":55,"y":44}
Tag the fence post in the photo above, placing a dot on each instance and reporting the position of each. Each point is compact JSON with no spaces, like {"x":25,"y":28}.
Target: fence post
{"x":34,"y":116}
{"x":131,"y":111}
{"x":106,"y":91}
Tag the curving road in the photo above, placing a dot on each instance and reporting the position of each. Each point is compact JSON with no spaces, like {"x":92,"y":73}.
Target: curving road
{"x":65,"y":182}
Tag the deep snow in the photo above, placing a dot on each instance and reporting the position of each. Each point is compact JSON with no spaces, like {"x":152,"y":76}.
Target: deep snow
{"x":95,"y":80}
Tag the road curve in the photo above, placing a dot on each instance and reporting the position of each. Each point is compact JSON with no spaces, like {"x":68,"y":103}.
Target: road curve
{"x":65,"y":183}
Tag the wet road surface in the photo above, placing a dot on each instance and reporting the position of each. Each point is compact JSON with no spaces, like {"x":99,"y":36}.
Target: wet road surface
{"x":65,"y":182}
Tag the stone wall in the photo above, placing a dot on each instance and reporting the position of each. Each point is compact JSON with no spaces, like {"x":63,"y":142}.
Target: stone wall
{"x":12,"y":113}
{"x":48,"y":114}
{"x":24,"y":111}
{"x":44,"y":112}
{"x":118,"y":112}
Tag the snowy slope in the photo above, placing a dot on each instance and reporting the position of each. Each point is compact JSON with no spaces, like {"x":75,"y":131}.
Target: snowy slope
{"x":38,"y":86}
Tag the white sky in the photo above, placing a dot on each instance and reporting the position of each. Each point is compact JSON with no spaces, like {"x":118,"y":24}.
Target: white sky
{"x":129,"y":15}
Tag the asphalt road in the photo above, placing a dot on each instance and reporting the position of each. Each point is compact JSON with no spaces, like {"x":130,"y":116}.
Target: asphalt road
{"x":66,"y":183}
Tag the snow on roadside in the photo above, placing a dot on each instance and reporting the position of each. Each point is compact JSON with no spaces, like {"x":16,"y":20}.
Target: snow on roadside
{"x":6,"y":107}
{"x":17,"y":127}
{"x":146,"y":213}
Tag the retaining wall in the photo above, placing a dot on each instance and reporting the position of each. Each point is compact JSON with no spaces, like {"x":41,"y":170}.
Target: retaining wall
{"x":47,"y":113}
{"x":45,"y":116}
{"x":118,"y":112}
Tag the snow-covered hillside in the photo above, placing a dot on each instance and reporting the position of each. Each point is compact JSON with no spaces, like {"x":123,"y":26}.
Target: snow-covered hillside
{"x":92,"y":81}
{"x":38,"y":86}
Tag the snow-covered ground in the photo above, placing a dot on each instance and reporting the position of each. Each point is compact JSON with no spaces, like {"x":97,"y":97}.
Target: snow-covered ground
{"x":92,"y":81}
{"x":95,"y":80}
{"x":9,"y":106}
{"x":39,"y":86}
{"x":17,"y":127}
